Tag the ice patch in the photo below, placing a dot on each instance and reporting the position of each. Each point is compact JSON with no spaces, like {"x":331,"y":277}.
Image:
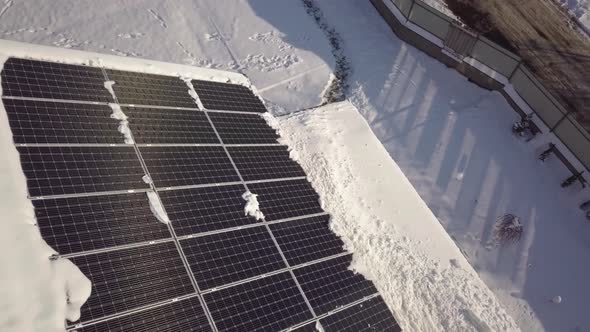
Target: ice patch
{"x":319,"y":327}
{"x":192,"y":92}
{"x":252,"y":207}
{"x":147,"y":179}
{"x":109,"y":86}
{"x":157,"y":208}
{"x":123,"y":123}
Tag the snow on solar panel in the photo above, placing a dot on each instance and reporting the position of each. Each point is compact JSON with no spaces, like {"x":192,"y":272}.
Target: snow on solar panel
{"x":213,"y":267}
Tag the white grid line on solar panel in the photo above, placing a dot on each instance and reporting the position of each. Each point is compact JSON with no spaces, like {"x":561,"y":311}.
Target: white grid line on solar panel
{"x":259,"y":223}
{"x":156,"y":126}
{"x":181,"y":315}
{"x":197,"y":144}
{"x":309,"y":327}
{"x":284,"y":199}
{"x":257,"y":163}
{"x":185,"y":165}
{"x":279,"y":271}
{"x":335,"y":311}
{"x":81,"y":169}
{"x":224,"y":96}
{"x":72,"y":145}
{"x":112,"y":192}
{"x":79,"y":324}
{"x":228,"y":257}
{"x":32,"y":78}
{"x":331,"y":283}
{"x":269,"y":304}
{"x":42,"y":122}
{"x":57,"y":100}
{"x":131,"y":278}
{"x":81,"y":224}
{"x":370,"y":315}
{"x":307,"y":239}
{"x":151,"y":89}
{"x":114,"y":248}
{"x":198,"y":210}
{"x":243,"y":128}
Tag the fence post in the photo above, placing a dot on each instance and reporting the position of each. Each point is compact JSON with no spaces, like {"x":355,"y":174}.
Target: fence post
{"x":410,"y":11}
{"x":514,"y":71}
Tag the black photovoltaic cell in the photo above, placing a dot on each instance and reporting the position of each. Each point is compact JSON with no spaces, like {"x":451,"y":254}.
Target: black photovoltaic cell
{"x":270,"y":304}
{"x":78,"y":224}
{"x":171,"y":166}
{"x":307,"y":239}
{"x":264,"y":162}
{"x":330,"y":284}
{"x":40,"y":79}
{"x":81,"y":169}
{"x":170,"y":126}
{"x":150,"y":89}
{"x":286,"y":199}
{"x":223,"y":258}
{"x":35,"y":121}
{"x":227,"y":97}
{"x":181,"y":316}
{"x":236,"y":128}
{"x":198,"y":210}
{"x":129,"y":278}
{"x":370,"y":315}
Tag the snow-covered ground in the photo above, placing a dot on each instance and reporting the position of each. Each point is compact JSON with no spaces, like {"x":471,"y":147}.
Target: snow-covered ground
{"x":580,"y":9}
{"x":449,"y":137}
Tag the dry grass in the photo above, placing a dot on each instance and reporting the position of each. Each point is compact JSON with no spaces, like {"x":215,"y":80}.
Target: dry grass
{"x":545,"y":37}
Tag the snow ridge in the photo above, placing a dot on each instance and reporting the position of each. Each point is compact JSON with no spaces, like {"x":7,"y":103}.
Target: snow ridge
{"x":192,"y":92}
{"x":252,"y":207}
{"x":157,"y":208}
{"x":123,"y":122}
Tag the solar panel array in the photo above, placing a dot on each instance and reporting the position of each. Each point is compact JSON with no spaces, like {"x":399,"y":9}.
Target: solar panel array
{"x":212,"y":268}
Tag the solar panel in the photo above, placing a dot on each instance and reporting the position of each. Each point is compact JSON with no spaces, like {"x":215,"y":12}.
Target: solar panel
{"x":227,"y":97}
{"x":43,"y":122}
{"x":150,"y":89}
{"x":370,"y":315}
{"x":58,"y":170}
{"x":311,"y":327}
{"x":41,"y":79}
{"x":184,"y":315}
{"x":238,"y":128}
{"x":306,"y":240}
{"x":286,"y":199}
{"x":253,"y":275}
{"x":169,"y":126}
{"x":331,"y":284}
{"x":198,"y":210}
{"x":77,"y":224}
{"x":130,"y":278}
{"x":265,"y":162}
{"x":270,"y":304}
{"x":171,"y":166}
{"x":223,"y":258}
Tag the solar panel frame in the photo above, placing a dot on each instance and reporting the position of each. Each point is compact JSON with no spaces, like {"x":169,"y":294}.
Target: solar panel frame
{"x":228,"y":97}
{"x":62,"y":170}
{"x":258,"y":305}
{"x":237,"y":128}
{"x":223,"y":258}
{"x":51,"y":80}
{"x":169,"y":126}
{"x":78,"y":224}
{"x":150,"y":89}
{"x":308,"y":239}
{"x":265,"y":162}
{"x":183,"y":315}
{"x":370,"y":315}
{"x":331,"y":284}
{"x":286,"y":199}
{"x":172,"y":166}
{"x":46,"y":122}
{"x":130,"y":278}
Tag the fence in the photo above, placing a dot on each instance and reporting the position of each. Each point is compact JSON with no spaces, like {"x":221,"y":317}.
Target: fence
{"x":487,"y":64}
